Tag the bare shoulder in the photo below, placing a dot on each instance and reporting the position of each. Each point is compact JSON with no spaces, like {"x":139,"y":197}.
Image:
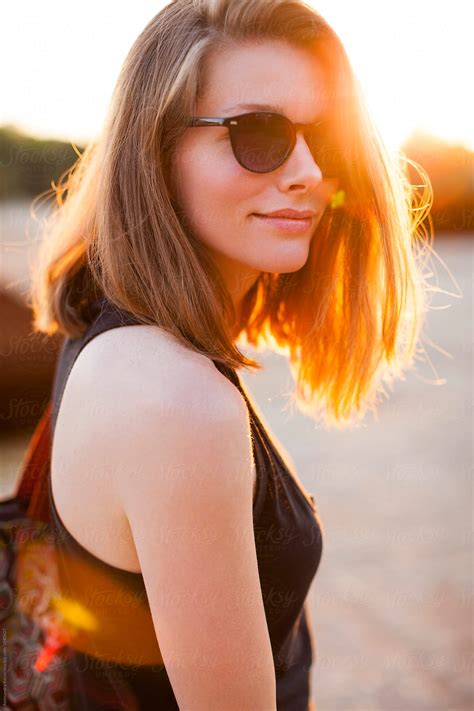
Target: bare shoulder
{"x":134,"y":375}
{"x":163,"y":422}
{"x":135,"y":365}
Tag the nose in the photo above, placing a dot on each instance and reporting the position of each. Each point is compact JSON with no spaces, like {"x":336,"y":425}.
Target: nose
{"x":300,"y":171}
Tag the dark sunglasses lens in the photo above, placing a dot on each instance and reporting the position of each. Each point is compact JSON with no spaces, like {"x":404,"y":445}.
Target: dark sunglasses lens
{"x":324,"y":151}
{"x":261,"y":142}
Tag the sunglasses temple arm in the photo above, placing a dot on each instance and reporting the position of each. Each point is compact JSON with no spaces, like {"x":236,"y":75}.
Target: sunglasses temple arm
{"x":202,"y":121}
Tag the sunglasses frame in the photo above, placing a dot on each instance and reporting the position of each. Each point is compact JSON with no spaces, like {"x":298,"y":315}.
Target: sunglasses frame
{"x":231,"y":122}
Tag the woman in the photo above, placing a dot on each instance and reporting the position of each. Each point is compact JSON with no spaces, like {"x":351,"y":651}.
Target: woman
{"x":186,"y":543}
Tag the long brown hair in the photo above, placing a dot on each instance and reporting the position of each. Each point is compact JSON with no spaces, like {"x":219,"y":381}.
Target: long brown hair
{"x":347,"y":320}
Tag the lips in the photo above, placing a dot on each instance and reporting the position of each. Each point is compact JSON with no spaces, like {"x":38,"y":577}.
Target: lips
{"x":289,"y":214}
{"x":285,"y":224}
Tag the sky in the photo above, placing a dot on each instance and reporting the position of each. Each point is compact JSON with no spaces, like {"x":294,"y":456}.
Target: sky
{"x":412,"y":59}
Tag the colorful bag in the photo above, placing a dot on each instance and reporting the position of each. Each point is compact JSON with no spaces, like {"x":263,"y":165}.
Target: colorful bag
{"x":33,"y":670}
{"x":40,"y":669}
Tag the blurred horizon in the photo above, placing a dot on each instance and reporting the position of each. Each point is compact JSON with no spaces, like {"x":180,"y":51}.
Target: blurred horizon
{"x":417,"y":133}
{"x":31,"y":165}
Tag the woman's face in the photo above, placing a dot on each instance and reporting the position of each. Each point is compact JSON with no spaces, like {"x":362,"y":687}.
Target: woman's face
{"x":218,"y":196}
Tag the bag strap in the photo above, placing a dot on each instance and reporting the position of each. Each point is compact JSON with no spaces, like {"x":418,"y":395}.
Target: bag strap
{"x":33,"y":487}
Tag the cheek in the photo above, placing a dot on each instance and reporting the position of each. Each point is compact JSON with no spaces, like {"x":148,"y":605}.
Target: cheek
{"x":214,"y":190}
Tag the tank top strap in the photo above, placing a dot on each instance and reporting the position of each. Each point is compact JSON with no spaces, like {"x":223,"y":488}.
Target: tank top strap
{"x":104,"y":316}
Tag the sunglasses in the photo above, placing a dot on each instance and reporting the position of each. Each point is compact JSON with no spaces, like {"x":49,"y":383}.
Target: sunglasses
{"x":262,"y":141}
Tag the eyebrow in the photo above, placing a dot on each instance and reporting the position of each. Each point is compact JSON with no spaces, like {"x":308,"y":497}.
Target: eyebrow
{"x":257,"y":107}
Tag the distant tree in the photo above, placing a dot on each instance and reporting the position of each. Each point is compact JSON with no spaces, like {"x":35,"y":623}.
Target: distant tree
{"x":28,"y":165}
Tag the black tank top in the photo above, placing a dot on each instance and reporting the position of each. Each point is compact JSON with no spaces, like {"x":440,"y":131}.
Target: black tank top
{"x":117,"y":662}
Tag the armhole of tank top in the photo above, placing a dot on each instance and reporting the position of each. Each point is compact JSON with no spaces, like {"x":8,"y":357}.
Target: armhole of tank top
{"x":262,"y":477}
{"x":259,"y":457}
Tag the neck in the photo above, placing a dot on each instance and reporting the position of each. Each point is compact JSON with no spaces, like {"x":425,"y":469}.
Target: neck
{"x":239,"y":279}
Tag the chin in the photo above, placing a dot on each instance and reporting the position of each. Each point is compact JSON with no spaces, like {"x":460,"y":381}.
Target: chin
{"x":292,"y":269}
{"x":284,"y":267}
{"x":289,"y":263}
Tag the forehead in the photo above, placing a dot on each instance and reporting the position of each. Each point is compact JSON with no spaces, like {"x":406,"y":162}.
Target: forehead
{"x":270,"y":75}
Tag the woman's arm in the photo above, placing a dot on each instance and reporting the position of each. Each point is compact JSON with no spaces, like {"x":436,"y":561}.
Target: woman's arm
{"x":185,"y":480}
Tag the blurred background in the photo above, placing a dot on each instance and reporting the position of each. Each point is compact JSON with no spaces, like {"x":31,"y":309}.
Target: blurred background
{"x":392,"y":600}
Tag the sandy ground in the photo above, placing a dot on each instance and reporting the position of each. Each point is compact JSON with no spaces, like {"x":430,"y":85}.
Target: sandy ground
{"x":392,"y":600}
